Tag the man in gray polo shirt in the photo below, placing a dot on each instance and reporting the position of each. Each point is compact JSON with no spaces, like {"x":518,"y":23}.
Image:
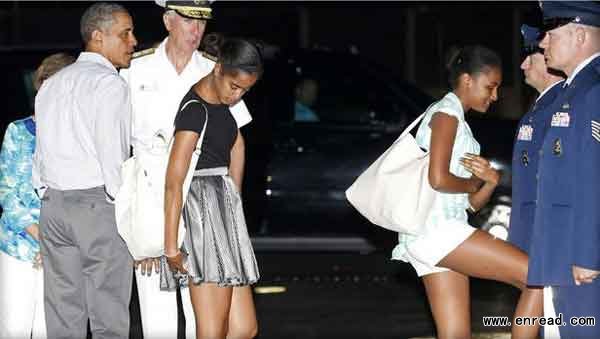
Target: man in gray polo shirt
{"x":83,"y":129}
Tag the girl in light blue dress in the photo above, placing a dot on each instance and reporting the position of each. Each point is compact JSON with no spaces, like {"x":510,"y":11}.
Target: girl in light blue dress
{"x":448,"y":250}
{"x":21,"y":279}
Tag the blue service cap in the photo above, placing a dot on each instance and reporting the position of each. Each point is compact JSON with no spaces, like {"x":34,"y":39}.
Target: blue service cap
{"x":531,"y":39}
{"x":559,"y":13}
{"x":531,"y":35}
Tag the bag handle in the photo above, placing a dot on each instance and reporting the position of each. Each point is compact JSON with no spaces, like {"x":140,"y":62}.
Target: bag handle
{"x":415,"y":122}
{"x":198,"y":148}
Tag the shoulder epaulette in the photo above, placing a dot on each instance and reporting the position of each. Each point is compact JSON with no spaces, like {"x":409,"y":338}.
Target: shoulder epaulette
{"x":143,"y":52}
{"x":209,"y":56}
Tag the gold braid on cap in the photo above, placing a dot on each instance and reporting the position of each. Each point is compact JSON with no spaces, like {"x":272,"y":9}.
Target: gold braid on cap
{"x":210,"y":56}
{"x":142,"y":53}
{"x":192,"y":11}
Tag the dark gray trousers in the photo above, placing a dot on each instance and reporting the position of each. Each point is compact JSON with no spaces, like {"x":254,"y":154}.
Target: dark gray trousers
{"x":87,"y":267}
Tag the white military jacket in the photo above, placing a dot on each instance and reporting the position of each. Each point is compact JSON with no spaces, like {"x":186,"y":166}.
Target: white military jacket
{"x":157,"y":90}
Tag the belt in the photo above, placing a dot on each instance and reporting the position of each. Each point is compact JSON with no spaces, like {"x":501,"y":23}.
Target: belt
{"x":209,"y":172}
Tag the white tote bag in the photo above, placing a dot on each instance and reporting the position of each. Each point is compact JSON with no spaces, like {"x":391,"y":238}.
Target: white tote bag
{"x":140,"y":203}
{"x":394,"y":192}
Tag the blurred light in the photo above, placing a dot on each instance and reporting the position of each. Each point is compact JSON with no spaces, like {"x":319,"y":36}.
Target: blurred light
{"x":269,"y":178}
{"x":505,"y":199}
{"x":497,"y":164}
{"x":268,"y":192}
{"x":269,"y":289}
{"x":480,"y":335}
{"x":499,"y":232}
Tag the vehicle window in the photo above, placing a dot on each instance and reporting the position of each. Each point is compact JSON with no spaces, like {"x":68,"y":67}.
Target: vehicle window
{"x":306,"y":92}
{"x":346,"y":98}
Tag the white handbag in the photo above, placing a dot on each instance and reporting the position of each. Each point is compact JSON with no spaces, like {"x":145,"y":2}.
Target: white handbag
{"x":140,"y":203}
{"x":394,"y":192}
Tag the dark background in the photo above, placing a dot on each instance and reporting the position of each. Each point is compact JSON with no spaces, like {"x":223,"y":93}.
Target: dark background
{"x":411,"y":39}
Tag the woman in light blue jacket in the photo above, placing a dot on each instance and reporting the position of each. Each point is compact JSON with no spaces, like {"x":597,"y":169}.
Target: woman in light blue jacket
{"x":21,"y":279}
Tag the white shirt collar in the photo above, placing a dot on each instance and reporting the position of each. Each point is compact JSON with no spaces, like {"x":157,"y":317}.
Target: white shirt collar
{"x":547,"y":89}
{"x":161,"y":47}
{"x":162,"y":50}
{"x":580,"y":67}
{"x":97,"y":58}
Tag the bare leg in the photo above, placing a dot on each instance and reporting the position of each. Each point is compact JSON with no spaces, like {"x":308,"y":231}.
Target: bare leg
{"x":483,"y":256}
{"x":242,"y":315}
{"x":211,"y":305}
{"x":448,"y":294}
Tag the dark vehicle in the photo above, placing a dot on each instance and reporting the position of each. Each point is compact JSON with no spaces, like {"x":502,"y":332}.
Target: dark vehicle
{"x":306,"y":166}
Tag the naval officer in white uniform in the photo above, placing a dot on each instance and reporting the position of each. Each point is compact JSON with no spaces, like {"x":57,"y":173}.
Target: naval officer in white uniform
{"x":158,"y":79}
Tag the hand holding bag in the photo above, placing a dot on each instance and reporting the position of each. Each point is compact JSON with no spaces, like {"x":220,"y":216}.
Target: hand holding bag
{"x":140,"y":202}
{"x":394,"y":192}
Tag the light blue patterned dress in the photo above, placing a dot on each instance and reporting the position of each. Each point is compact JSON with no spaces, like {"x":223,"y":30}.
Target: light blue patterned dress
{"x":449,"y":209}
{"x":20,"y":204}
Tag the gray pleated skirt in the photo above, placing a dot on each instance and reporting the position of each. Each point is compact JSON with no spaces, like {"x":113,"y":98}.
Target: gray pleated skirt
{"x":216,"y":240}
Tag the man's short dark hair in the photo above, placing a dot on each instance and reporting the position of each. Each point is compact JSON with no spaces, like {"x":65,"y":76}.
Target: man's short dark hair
{"x":99,"y":16}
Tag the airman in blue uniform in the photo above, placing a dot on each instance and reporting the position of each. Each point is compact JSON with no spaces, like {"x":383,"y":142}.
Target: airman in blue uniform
{"x":565,"y":244}
{"x":529,"y":137}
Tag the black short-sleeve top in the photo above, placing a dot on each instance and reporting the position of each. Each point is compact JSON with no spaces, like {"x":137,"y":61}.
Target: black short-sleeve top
{"x":221,"y":129}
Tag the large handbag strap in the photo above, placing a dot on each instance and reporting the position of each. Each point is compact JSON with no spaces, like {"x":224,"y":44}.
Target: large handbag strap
{"x":198,"y":148}
{"x":415,"y":122}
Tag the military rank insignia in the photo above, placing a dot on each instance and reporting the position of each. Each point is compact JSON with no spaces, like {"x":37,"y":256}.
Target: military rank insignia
{"x":142,"y":53}
{"x":596,"y":130}
{"x":525,"y":133}
{"x":560,"y":119}
{"x":148,"y":87}
{"x":525,"y":158}
{"x":557,"y":148}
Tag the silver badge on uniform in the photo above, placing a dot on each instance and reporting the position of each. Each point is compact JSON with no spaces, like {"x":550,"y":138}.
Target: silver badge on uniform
{"x":525,"y":158}
{"x":557,"y":149}
{"x":596,"y":130}
{"x":560,"y":119}
{"x":525,"y":133}
{"x":148,"y":87}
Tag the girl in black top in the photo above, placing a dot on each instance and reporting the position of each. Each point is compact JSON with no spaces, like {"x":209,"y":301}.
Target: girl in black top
{"x":217,"y":254}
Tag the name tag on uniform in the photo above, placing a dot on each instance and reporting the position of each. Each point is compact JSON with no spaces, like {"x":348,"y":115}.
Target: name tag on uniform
{"x":148,"y":87}
{"x":560,"y":119}
{"x":525,"y":133}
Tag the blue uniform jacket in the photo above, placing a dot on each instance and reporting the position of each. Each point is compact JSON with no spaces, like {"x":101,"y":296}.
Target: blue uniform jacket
{"x":528,"y":140}
{"x":566,"y":231}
